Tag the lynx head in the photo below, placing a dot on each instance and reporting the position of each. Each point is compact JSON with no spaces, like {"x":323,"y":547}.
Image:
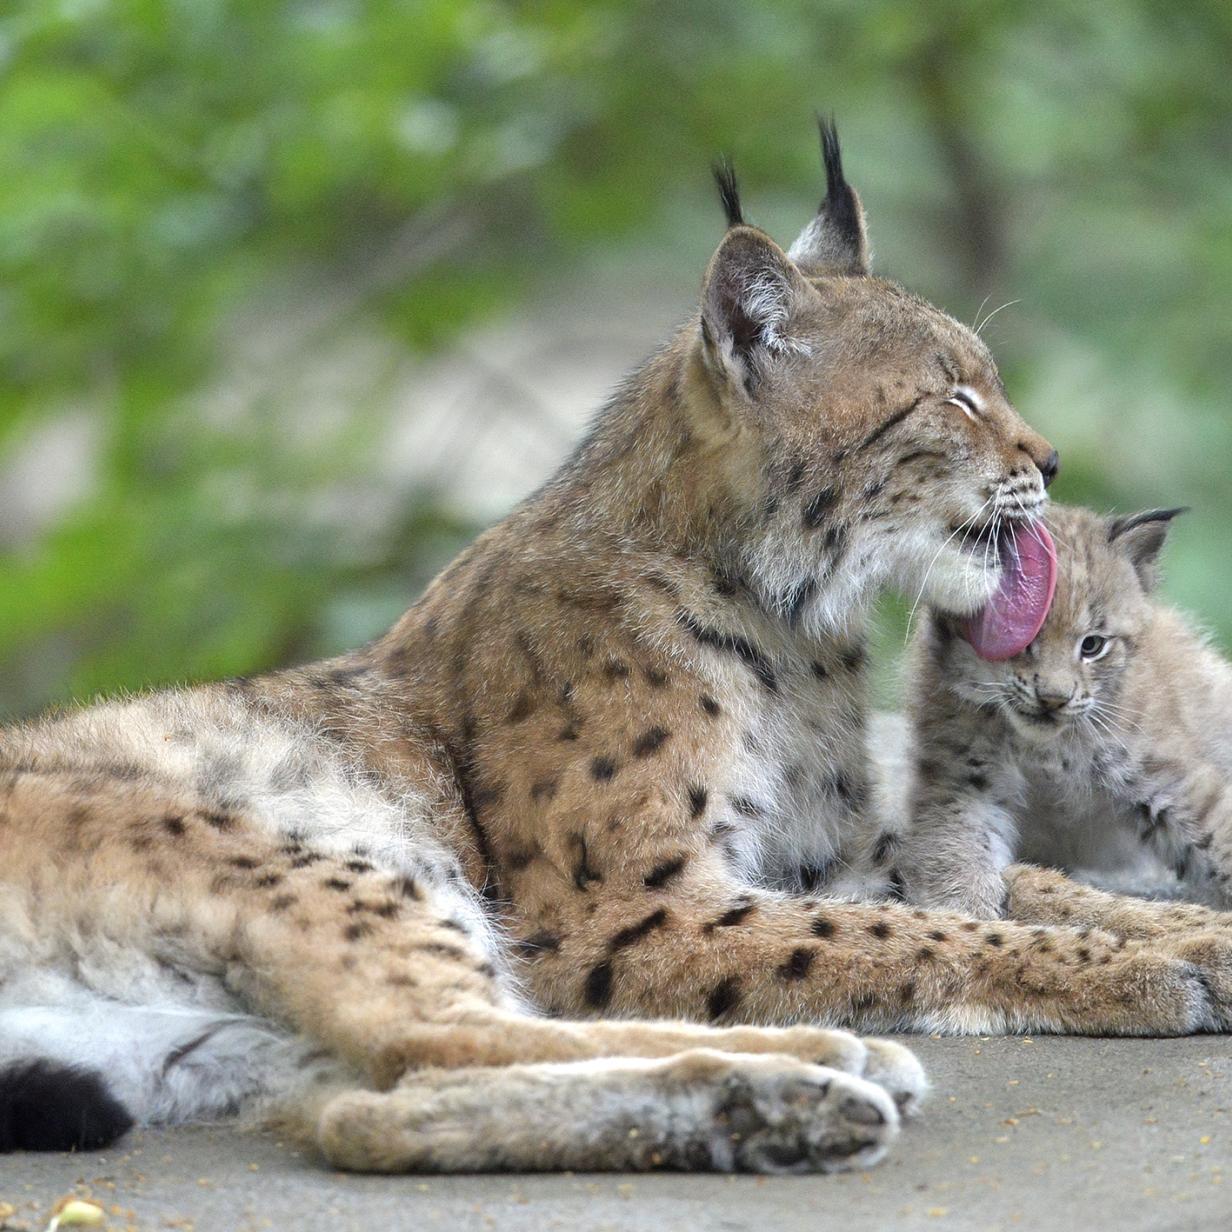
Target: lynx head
{"x":1068,"y":679}
{"x":876,"y":439}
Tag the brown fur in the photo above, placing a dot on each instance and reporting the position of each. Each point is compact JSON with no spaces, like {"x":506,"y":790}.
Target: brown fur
{"x":631,"y":716}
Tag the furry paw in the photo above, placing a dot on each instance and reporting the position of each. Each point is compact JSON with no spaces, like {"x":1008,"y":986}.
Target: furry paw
{"x":896,"y":1070}
{"x":1211,"y":955}
{"x":780,"y":1116}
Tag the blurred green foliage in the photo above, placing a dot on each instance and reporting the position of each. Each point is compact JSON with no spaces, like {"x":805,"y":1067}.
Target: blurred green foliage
{"x":175,"y":175}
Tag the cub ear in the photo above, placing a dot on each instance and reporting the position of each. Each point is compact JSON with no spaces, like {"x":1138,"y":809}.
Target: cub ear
{"x":1140,"y":537}
{"x":751,"y":294}
{"x":836,"y":241}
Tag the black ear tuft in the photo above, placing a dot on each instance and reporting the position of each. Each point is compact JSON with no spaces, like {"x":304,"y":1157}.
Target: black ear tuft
{"x":729,"y":192}
{"x":835,"y":242}
{"x":839,"y":203}
{"x":1141,"y":537}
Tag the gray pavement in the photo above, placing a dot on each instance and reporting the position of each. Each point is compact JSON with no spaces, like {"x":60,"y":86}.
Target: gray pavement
{"x":1017,"y":1134}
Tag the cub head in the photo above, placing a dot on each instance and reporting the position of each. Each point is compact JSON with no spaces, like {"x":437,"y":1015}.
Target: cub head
{"x":879,"y":445}
{"x":1069,"y":678}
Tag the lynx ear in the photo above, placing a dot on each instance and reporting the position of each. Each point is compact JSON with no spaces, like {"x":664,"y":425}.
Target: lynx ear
{"x":751,"y":295}
{"x":1140,"y":537}
{"x":836,"y":241}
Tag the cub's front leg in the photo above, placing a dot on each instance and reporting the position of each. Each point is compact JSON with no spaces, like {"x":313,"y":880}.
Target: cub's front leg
{"x":961,"y":834}
{"x":1184,"y":813}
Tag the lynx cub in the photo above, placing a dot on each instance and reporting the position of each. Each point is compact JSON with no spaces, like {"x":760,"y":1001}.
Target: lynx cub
{"x":1117,"y":718}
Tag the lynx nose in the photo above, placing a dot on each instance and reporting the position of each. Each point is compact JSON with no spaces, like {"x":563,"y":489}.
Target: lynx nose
{"x":1052,"y":695}
{"x":1049,"y":466}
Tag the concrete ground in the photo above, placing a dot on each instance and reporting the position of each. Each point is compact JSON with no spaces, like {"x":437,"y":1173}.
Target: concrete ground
{"x":1018,"y":1133}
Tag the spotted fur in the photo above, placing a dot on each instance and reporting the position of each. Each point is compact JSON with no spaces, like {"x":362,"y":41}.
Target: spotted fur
{"x":589,"y":774}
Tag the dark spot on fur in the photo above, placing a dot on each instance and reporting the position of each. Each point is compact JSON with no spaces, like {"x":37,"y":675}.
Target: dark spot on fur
{"x":597,"y":991}
{"x":977,"y":781}
{"x":336,"y":883}
{"x":797,"y":965}
{"x":881,"y":930}
{"x":358,"y":866}
{"x":520,"y":858}
{"x":305,"y":859}
{"x":813,"y":876}
{"x":822,"y":927}
{"x":602,"y":769}
{"x":615,"y":669}
{"x":662,"y":873}
{"x":796,"y":600}
{"x":635,"y":932}
{"x":731,"y":917}
{"x":697,"y":801}
{"x":219,"y":821}
{"x":542,"y":942}
{"x":243,"y":862}
{"x":818,"y":506}
{"x":937,"y":935}
{"x":656,"y":678}
{"x":710,"y":706}
{"x":523,"y":707}
{"x":174,"y":825}
{"x":405,"y":885}
{"x":438,"y":949}
{"x":568,"y":732}
{"x":544,"y":789}
{"x":357,"y":930}
{"x":267,"y":881}
{"x":282,"y":902}
{"x":723,"y":997}
{"x":650,"y":741}
{"x":924,"y":953}
{"x":744,"y":806}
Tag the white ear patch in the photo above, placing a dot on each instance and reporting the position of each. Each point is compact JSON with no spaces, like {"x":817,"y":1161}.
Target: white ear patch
{"x":767,"y":300}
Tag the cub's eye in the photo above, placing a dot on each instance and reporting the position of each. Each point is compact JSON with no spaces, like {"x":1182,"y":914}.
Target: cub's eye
{"x":967,"y":401}
{"x":1094,"y":646}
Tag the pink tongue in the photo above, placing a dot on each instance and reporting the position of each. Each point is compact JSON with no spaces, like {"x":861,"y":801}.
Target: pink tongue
{"x":1015,"y":614}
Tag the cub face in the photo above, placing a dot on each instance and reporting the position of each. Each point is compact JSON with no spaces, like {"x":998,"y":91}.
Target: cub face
{"x":1067,"y":682}
{"x":873,"y":429}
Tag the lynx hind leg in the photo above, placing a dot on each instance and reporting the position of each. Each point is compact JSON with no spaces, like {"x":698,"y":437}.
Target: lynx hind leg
{"x":699,"y":1110}
{"x":1194,"y":934}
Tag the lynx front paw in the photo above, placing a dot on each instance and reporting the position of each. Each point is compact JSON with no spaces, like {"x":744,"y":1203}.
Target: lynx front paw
{"x":776,"y":1115}
{"x":896,"y":1070}
{"x":891,"y":1066}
